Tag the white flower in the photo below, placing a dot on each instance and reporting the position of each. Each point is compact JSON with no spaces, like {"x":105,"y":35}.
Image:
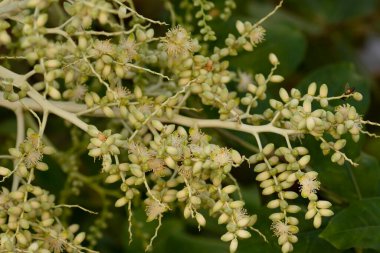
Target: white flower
{"x":309,"y":184}
{"x":177,"y":41}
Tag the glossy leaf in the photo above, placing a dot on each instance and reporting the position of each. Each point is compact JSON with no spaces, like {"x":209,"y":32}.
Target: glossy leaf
{"x":338,"y":77}
{"x":356,"y":226}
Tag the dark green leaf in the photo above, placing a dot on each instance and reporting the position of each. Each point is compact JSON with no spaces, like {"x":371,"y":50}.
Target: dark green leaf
{"x":356,"y":226}
{"x":337,"y":76}
{"x":310,"y":242}
{"x":334,"y":11}
{"x":286,"y":42}
{"x":350,"y":182}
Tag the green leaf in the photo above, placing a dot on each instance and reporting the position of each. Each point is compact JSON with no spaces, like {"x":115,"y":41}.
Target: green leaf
{"x":337,"y":76}
{"x":334,"y":11}
{"x":356,"y":226}
{"x":310,"y":242}
{"x":347,"y":182}
{"x":288,"y":43}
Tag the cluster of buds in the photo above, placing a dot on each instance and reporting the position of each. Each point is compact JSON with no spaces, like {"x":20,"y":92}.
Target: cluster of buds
{"x":183,"y":167}
{"x":104,"y":145}
{"x":10,"y":92}
{"x":279,"y":169}
{"x":29,"y":223}
{"x":29,"y":155}
{"x":251,"y":35}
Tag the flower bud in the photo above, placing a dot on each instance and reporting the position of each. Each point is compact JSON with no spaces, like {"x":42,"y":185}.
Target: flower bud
{"x":200,"y":219}
{"x":312,"y":89}
{"x":227,"y":237}
{"x":273,"y":59}
{"x":276,"y":79}
{"x":323,"y":90}
{"x":244,"y":234}
{"x":233,"y":245}
{"x":317,"y":220}
{"x":240,"y":26}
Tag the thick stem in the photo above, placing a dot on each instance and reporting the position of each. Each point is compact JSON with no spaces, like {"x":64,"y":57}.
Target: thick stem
{"x":67,"y":110}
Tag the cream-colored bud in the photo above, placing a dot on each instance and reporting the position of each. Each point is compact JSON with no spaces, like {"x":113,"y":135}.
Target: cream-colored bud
{"x":54,"y":93}
{"x":263,"y":176}
{"x":340,"y":144}
{"x":182,"y":194}
{"x":304,"y":161}
{"x":335,"y":157}
{"x":307,"y":106}
{"x":187,"y":212}
{"x":323,"y":91}
{"x":286,"y":247}
{"x":276,"y":216}
{"x":248,"y":47}
{"x":121,"y":202}
{"x":229,"y":189}
{"x":273,"y":203}
{"x":293,"y":209}
{"x":323,"y":204}
{"x":158,"y":125}
{"x":4,"y":171}
{"x":227,"y":237}
{"x":79,"y":238}
{"x":260,"y":79}
{"x":290,"y":194}
{"x":108,"y":112}
{"x":317,"y":220}
{"x":269,"y":190}
{"x":276,"y":79}
{"x":358,"y":96}
{"x":233,"y":245}
{"x":240,"y":26}
{"x":112,"y":179}
{"x":252,"y":88}
{"x":170,"y":162}
{"x":237,"y":204}
{"x":243,"y":222}
{"x":284,"y":95}
{"x":244,"y":234}
{"x":138,"y":92}
{"x":200,"y":219}
{"x":310,"y":123}
{"x":267,"y":183}
{"x":47,"y":222}
{"x":312,"y":89}
{"x":268,"y":149}
{"x":136,"y":171}
{"x":273,"y":59}
{"x":42,"y":19}
{"x":42,"y":166}
{"x":52,"y":63}
{"x":171,"y":150}
{"x":218,"y":205}
{"x":326,"y":212}
{"x":310,"y":213}
{"x":21,"y":238}
{"x":223,"y":218}
{"x":236,"y":157}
